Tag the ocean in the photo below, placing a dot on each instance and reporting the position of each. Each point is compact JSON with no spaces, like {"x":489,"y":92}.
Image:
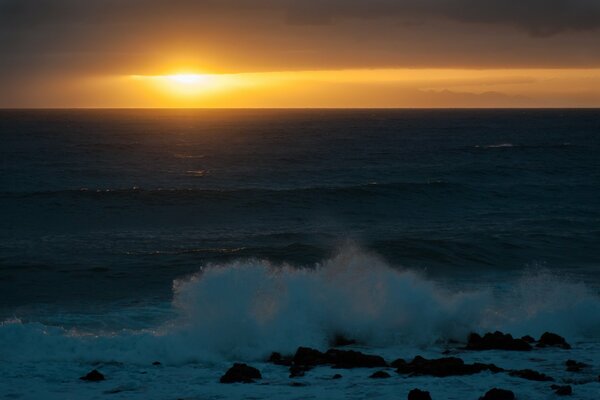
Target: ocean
{"x":199,"y":238}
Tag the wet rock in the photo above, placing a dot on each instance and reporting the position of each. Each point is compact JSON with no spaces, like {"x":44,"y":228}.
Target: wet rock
{"x":341,"y":341}
{"x":380,"y":375}
{"x":298,"y":384}
{"x":308,"y":356}
{"x":278,"y":359}
{"x":336,"y":376}
{"x":531,"y":375}
{"x":93,"y":376}
{"x":156,"y":363}
{"x":275,"y":357}
{"x":528,"y":339}
{"x":442,"y":367}
{"x":562,"y":390}
{"x":496,"y":341}
{"x":418,"y":394}
{"x":297,"y":371}
{"x":241,"y":373}
{"x":353,"y":359}
{"x":575,"y":366}
{"x":498,"y":394}
{"x":337,"y":358}
{"x":549,"y":339}
{"x":398,"y":363}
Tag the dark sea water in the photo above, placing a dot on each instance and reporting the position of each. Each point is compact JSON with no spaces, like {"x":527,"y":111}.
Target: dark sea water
{"x":105,"y":216}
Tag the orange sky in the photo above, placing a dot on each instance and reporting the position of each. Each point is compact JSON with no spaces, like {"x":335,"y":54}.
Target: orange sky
{"x":328,"y":53}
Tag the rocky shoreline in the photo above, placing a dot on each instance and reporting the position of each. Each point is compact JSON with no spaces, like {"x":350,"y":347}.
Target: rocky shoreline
{"x":306,"y":359}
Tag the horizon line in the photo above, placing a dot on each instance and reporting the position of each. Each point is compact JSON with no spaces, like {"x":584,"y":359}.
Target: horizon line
{"x":293,"y":108}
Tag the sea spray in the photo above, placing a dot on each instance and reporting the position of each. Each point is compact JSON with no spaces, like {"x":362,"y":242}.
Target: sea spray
{"x":246,"y":309}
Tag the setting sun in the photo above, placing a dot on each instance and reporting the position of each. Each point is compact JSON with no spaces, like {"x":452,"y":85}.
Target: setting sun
{"x":187,"y":78}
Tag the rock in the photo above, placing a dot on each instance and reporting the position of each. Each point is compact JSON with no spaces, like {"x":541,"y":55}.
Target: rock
{"x":275,"y":357}
{"x":341,"y":341}
{"x":380,"y":375}
{"x":156,"y":363}
{"x":298,"y":384}
{"x":278,"y":359}
{"x":337,"y":358}
{"x":562,"y":390}
{"x":575,"y":366}
{"x":549,"y":339}
{"x":528,"y":339}
{"x":353,"y":359}
{"x":531,"y":375}
{"x":297,"y":371}
{"x":442,"y":367}
{"x":418,"y":394}
{"x":308,"y":356}
{"x":336,"y":376}
{"x":498,"y":394}
{"x":93,"y":376}
{"x":397,"y":363}
{"x":496,"y":341}
{"x":241,"y":373}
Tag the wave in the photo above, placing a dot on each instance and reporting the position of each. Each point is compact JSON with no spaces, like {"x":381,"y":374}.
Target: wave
{"x":523,"y":146}
{"x":246,"y":309}
{"x":368,"y":188}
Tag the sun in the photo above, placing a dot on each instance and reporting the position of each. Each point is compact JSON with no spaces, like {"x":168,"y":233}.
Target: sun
{"x":188,"y":79}
{"x":182,"y":87}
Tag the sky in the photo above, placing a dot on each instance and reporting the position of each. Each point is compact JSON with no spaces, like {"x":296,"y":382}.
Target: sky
{"x":299,"y":53}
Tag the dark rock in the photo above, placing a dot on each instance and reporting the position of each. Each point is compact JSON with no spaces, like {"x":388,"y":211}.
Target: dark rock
{"x":93,"y":376}
{"x":337,"y":358}
{"x":380,"y":375}
{"x":441,"y":367}
{"x":496,"y":341}
{"x":297,"y":371}
{"x":549,"y":339}
{"x":397,"y":363}
{"x":156,"y":363}
{"x":575,"y":366}
{"x":278,"y":359}
{"x":336,"y":376}
{"x":241,"y":373}
{"x":298,"y":384}
{"x":528,"y":339}
{"x":417,"y":394}
{"x":562,"y":390}
{"x":498,"y":394}
{"x":308,"y":356}
{"x":341,"y":341}
{"x":531,"y":375}
{"x":353,"y":359}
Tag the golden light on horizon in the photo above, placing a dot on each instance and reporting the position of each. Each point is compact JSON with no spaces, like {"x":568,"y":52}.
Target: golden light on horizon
{"x":393,"y":87}
{"x":182,"y":84}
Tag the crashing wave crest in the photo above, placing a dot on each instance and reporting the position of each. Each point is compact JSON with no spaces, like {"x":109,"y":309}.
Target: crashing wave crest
{"x":246,"y":309}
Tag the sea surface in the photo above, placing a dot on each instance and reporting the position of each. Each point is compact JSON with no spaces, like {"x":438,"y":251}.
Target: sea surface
{"x":199,"y":238}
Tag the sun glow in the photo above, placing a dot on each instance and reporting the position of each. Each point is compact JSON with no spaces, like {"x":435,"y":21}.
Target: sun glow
{"x":187,"y":78}
{"x":184,"y":85}
{"x":361,"y":88}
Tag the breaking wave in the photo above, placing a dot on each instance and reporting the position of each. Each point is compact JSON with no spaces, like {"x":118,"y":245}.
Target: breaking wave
{"x":246,"y":309}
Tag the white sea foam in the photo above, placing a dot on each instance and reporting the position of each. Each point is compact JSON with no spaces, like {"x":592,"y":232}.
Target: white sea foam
{"x":247,"y":309}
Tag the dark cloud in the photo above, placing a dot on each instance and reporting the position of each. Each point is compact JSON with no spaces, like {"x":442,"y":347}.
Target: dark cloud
{"x":537,"y":17}
{"x":116,"y":36}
